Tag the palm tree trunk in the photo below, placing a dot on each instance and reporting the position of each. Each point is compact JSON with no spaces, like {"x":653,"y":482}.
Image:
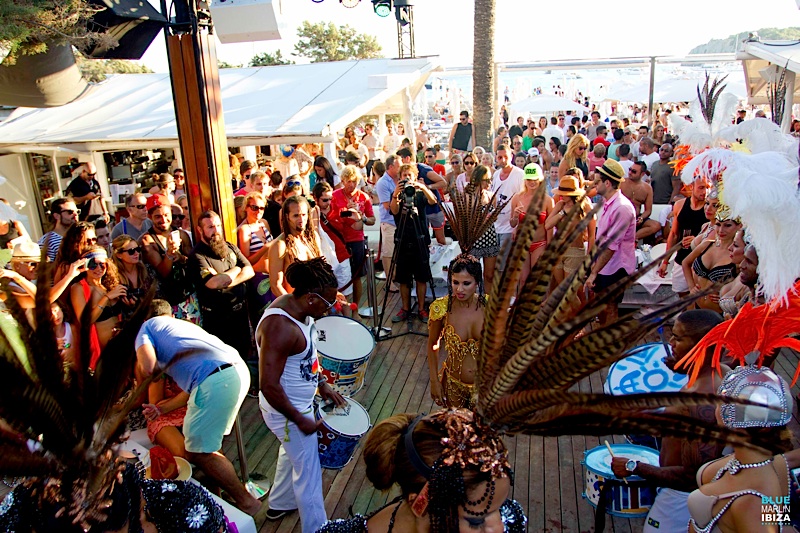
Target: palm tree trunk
{"x":483,"y":82}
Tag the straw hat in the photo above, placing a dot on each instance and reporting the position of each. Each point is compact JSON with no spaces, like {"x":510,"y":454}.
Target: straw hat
{"x":26,"y":251}
{"x":612,"y":170}
{"x":569,"y":186}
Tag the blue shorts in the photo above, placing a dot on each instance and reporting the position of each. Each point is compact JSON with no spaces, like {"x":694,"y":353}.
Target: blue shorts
{"x":212,"y":408}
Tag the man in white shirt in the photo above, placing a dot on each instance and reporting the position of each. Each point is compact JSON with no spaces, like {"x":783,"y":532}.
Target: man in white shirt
{"x":391,"y":142}
{"x":647,"y":152}
{"x":506,"y":182}
{"x":553,"y":131}
{"x":370,"y":140}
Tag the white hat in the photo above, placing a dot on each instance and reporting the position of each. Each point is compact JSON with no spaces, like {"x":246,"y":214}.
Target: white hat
{"x":533,"y":152}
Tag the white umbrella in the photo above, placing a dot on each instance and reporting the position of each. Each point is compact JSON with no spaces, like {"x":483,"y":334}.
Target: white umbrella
{"x":546,"y":104}
{"x":672,"y":90}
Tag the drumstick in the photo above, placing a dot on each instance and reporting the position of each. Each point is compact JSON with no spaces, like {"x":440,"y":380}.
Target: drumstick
{"x":612,"y":456}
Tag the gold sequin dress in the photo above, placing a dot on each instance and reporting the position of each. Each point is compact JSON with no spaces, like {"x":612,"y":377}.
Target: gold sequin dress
{"x":456,"y":393}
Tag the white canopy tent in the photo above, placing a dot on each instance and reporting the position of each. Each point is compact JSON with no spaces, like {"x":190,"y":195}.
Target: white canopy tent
{"x":546,"y":104}
{"x":263,"y":105}
{"x":670,"y":90}
{"x":765,"y":62}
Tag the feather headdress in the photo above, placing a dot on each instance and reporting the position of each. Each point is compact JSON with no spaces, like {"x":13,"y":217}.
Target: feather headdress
{"x":62,"y":423}
{"x":532,"y":353}
{"x":469,"y":217}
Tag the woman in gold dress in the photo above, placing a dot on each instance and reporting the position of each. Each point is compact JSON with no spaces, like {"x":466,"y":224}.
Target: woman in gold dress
{"x":456,"y":321}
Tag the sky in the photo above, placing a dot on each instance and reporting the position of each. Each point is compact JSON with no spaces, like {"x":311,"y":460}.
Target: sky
{"x":528,"y":30}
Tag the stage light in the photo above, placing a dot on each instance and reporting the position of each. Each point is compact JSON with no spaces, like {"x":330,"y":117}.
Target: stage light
{"x":349,"y":3}
{"x":384,"y":7}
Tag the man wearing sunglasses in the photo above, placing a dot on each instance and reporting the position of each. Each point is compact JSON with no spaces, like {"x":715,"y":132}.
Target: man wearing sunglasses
{"x":65,"y":214}
{"x":136,"y":223}
{"x":462,"y":135}
{"x":85,"y":191}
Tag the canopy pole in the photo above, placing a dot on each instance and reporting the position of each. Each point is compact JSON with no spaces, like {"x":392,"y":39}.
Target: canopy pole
{"x":650,"y":112}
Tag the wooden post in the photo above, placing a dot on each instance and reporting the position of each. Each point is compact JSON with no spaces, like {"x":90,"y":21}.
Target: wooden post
{"x":201,"y":127}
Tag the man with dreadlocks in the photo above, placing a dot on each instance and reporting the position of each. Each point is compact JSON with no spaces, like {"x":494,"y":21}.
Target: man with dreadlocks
{"x":298,"y":242}
{"x":289,"y":374}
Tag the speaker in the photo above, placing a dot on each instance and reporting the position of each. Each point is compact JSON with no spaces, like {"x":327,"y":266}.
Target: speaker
{"x":241,"y":21}
{"x":132,"y":23}
{"x":42,"y":80}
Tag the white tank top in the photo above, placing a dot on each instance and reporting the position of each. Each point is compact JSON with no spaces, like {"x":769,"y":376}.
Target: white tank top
{"x":300,"y":375}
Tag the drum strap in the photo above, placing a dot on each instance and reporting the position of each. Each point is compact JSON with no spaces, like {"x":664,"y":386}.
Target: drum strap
{"x":603,"y":505}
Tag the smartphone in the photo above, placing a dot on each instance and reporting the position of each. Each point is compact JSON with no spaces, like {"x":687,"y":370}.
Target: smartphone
{"x":346,"y":213}
{"x":175,"y":235}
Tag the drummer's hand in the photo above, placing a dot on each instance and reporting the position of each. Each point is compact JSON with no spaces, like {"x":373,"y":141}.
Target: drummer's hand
{"x":618,"y":467}
{"x":308,"y":425}
{"x":328,"y":394}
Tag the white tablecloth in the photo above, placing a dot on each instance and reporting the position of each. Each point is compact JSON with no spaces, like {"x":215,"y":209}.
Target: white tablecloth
{"x":651,"y":281}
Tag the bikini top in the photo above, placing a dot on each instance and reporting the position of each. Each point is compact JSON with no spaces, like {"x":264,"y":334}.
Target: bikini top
{"x":701,"y":505}
{"x":542,"y":217}
{"x":718,"y":273}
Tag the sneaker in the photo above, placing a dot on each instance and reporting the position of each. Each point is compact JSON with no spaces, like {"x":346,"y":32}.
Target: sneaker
{"x":275,"y":514}
{"x":400,"y":316}
{"x":423,"y":315}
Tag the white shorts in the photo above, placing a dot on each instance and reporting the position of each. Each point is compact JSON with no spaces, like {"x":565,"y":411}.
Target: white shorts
{"x":678,"y":279}
{"x":387,"y":239}
{"x":343,"y":276}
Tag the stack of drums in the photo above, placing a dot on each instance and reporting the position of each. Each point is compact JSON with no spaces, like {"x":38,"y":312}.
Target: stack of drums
{"x":344,"y":347}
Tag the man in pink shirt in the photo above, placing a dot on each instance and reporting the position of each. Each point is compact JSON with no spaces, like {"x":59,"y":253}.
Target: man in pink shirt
{"x":616,"y":231}
{"x":351,"y":209}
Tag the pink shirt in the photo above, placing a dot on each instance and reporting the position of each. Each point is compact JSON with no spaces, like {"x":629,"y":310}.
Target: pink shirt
{"x":339,"y":203}
{"x":618,"y":222}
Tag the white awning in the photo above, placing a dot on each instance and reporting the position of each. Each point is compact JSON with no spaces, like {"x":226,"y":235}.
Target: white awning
{"x":671,"y":90}
{"x":546,"y":104}
{"x":262,"y":105}
{"x":757,"y":56}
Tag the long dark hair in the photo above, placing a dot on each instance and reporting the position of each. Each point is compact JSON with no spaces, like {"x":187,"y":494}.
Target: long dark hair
{"x":323,"y":162}
{"x":472,"y":266}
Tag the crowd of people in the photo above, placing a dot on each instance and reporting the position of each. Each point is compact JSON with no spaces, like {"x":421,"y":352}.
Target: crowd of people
{"x":300,"y":254}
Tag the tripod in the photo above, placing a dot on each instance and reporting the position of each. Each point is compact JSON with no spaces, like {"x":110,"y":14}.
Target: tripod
{"x":419,"y":236}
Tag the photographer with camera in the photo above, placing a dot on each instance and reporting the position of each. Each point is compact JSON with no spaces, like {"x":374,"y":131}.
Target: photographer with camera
{"x":412,"y":239}
{"x":127,"y":257}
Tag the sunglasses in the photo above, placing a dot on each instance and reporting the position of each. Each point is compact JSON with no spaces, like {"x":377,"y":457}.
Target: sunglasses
{"x":293,"y":183}
{"x":94,"y":264}
{"x":255,"y":208}
{"x":325,"y":200}
{"x":469,"y":163}
{"x":132,"y":251}
{"x":30,"y":264}
{"x":328,"y":304}
{"x":178,"y":217}
{"x":91,"y":175}
{"x":140,"y":206}
{"x":70,"y":211}
{"x":455,"y":162}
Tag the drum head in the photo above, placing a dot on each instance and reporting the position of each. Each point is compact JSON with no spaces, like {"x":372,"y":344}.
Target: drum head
{"x":354,"y":423}
{"x":599,"y":460}
{"x":643,"y":370}
{"x":343,"y":338}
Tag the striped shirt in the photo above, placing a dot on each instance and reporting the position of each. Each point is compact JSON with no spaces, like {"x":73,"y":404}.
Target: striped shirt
{"x":53,"y":241}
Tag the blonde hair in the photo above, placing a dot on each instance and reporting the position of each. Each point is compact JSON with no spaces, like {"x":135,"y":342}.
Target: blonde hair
{"x":349,"y":173}
{"x":409,"y":167}
{"x":577,"y":141}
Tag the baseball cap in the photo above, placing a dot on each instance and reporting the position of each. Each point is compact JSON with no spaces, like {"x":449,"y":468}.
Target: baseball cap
{"x":533,"y":171}
{"x":533,"y":152}
{"x":156,"y":200}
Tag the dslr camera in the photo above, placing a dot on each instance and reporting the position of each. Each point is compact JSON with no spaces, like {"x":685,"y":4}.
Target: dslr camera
{"x":408,"y":193}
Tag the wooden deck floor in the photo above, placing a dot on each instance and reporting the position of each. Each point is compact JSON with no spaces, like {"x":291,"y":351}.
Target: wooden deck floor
{"x":549,"y":476}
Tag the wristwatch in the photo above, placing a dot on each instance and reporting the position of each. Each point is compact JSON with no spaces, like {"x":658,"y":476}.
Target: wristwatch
{"x":631,"y":465}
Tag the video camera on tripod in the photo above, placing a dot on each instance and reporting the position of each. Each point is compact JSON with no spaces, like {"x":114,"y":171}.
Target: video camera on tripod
{"x":408,"y":194}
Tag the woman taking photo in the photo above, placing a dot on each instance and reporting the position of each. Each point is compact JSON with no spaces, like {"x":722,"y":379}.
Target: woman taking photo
{"x":487,"y":246}
{"x":456,"y":321}
{"x":79,"y":237}
{"x":254,"y":239}
{"x":133,"y":273}
{"x":710,"y":262}
{"x":102,"y":292}
{"x":534,"y":178}
{"x":575,"y":156}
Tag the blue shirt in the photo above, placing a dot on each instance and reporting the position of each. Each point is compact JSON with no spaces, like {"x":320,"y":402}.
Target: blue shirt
{"x":423,"y":170}
{"x":171,"y":337}
{"x":385,"y":189}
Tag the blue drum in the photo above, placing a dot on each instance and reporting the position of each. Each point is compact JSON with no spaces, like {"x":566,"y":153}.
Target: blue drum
{"x":642,"y":371}
{"x":630,"y":500}
{"x":342,"y":428}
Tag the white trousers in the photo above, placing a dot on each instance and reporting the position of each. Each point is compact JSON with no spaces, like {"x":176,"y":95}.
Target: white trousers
{"x":298,"y":475}
{"x":669,"y":513}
